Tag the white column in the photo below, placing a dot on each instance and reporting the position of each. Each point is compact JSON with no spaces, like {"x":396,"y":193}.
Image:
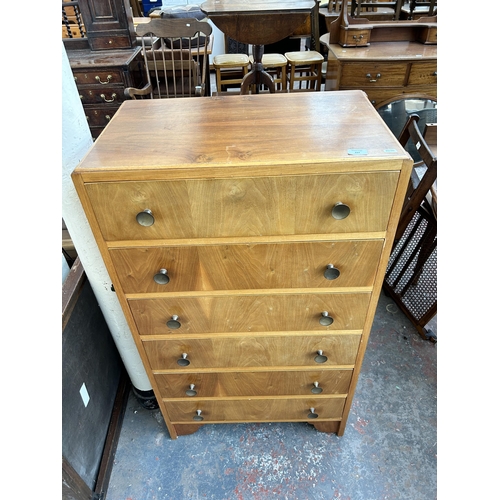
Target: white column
{"x":76,"y":141}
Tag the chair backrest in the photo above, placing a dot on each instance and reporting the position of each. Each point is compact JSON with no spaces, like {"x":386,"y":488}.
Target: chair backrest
{"x":175,"y":55}
{"x":420,"y":184}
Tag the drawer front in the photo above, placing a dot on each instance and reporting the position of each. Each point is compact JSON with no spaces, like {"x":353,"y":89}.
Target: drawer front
{"x":243,"y":206}
{"x":255,"y":410}
{"x":107,"y":95}
{"x":354,"y":38}
{"x":102,"y":77}
{"x":252,"y":351}
{"x":250,"y":313}
{"x":366,"y":75}
{"x":242,"y":383}
{"x":423,"y":74}
{"x":250,"y":266}
{"x":100,"y":116}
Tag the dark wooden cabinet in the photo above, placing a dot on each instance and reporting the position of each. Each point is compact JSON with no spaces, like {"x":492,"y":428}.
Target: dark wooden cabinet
{"x":105,"y":61}
{"x":108,"y":24}
{"x":101,"y":78}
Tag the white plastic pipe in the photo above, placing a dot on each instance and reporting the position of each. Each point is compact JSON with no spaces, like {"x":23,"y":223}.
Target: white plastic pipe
{"x":76,"y":141}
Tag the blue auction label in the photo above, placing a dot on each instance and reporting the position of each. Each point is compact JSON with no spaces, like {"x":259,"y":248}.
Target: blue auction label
{"x":357,"y":152}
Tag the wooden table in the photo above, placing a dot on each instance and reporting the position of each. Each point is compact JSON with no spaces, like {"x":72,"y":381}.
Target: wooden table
{"x":384,"y":70}
{"x":258,"y":23}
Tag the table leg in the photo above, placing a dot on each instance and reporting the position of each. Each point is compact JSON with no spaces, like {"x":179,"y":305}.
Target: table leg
{"x":257,"y":75}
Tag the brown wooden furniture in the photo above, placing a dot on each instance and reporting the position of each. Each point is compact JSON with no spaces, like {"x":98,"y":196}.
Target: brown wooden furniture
{"x":104,"y":58}
{"x":175,"y":55}
{"x":304,"y":66}
{"x":230,"y":69}
{"x":248,"y":267}
{"x":258,"y":23}
{"x":101,"y":78}
{"x":351,"y":31}
{"x":411,"y":277}
{"x":384,"y":70}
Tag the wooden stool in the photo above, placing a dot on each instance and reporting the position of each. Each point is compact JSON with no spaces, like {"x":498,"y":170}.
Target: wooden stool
{"x":275,"y":65}
{"x":230,"y":69}
{"x":308,"y":62}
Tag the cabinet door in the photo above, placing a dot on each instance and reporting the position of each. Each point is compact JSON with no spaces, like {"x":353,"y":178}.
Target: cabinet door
{"x":107,"y":24}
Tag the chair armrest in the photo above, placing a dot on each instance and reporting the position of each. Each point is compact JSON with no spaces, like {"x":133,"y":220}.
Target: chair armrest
{"x":131,"y":92}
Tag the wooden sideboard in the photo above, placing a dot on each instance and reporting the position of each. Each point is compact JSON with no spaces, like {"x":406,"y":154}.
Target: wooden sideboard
{"x":101,"y":78}
{"x":248,"y":264}
{"x":384,"y":70}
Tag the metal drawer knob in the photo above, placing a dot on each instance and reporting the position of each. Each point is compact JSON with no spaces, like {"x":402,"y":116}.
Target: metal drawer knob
{"x":198,"y":416}
{"x":173,"y":323}
{"x":113,"y":97}
{"x":312,"y":414}
{"x":161,"y":277}
{"x":145,"y":218}
{"x":331,"y":273}
{"x":373,"y":80}
{"x":183,"y":361}
{"x":325,"y":319}
{"x":340,"y":211}
{"x":316,"y":389}
{"x":320,"y":358}
{"x":191,"y":392}
{"x":108,"y":79}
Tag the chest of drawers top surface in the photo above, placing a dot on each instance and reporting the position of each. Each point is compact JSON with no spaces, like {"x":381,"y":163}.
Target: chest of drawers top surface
{"x":267,"y":131}
{"x":386,"y":51}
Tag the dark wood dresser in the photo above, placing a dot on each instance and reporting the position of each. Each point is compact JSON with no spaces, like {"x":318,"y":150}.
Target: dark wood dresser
{"x":101,"y":78}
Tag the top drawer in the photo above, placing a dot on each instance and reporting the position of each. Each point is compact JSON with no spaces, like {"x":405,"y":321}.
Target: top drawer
{"x":261,"y":206}
{"x":424,"y":73}
{"x":368,"y":74}
{"x":98,"y":77}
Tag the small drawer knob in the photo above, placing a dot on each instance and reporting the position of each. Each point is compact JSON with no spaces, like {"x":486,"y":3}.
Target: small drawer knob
{"x":331,"y":272}
{"x":316,"y":388}
{"x":161,"y":277}
{"x":173,"y":323}
{"x":325,"y":319}
{"x":191,"y":392}
{"x":145,"y":218}
{"x":198,"y":416}
{"x":320,"y":358}
{"x":340,"y":211}
{"x":312,"y":413}
{"x":183,"y":361}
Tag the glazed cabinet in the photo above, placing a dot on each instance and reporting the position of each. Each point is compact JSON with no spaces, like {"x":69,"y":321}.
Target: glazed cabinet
{"x":247,"y":239}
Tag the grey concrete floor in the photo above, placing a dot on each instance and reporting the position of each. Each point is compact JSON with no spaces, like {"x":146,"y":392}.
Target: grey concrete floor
{"x":388,"y":451}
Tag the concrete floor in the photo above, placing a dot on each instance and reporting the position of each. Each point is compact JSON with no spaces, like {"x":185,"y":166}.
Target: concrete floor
{"x":388,"y":451}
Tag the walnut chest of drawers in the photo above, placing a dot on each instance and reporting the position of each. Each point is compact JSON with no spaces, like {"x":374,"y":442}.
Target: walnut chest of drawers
{"x":384,"y":70}
{"x":247,"y":239}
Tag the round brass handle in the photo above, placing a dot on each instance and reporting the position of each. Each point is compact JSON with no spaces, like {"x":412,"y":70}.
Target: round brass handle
{"x":316,"y":389}
{"x":331,"y":273}
{"x":113,"y":97}
{"x":320,"y":358}
{"x":191,"y":392}
{"x":312,"y":414}
{"x":183,"y":361}
{"x":173,"y":323}
{"x":161,"y":277}
{"x":145,"y":218}
{"x":373,"y":80}
{"x":98,"y":78}
{"x":340,"y":211}
{"x":325,"y":319}
{"x":198,"y":416}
